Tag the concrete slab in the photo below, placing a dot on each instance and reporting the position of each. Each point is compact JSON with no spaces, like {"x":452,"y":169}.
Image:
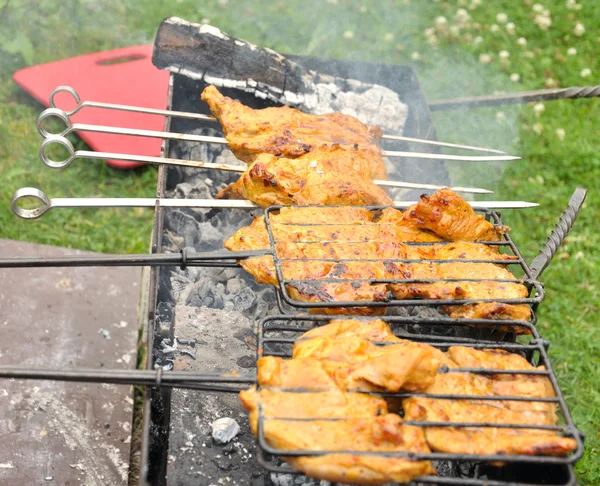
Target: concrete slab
{"x":66,"y":434}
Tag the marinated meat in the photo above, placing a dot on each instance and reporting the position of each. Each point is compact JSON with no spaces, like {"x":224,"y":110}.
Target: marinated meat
{"x":452,"y":218}
{"x":311,"y":244}
{"x":386,"y":433}
{"x":374,"y":330}
{"x":328,"y":175}
{"x":351,"y":364}
{"x":286,"y":132}
{"x":489,"y":440}
{"x":327,"y":404}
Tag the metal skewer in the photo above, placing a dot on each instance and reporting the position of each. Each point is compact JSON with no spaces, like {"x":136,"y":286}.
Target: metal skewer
{"x":73,"y":155}
{"x":198,"y":116}
{"x":185,"y":258}
{"x":47,"y":204}
{"x":136,"y":132}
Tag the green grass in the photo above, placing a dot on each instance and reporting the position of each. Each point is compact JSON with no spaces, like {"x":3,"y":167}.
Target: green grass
{"x":41,"y":31}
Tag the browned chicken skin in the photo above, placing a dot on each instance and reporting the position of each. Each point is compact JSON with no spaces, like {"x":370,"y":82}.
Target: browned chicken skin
{"x":313,"y":240}
{"x":286,"y":132}
{"x":452,"y":218}
{"x":328,"y":175}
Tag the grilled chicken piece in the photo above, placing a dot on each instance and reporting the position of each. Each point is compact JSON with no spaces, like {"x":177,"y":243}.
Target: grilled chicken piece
{"x":411,"y":366}
{"x":328,"y":404}
{"x":351,"y":363}
{"x":489,"y":440}
{"x":312,"y":240}
{"x":375,"y":330}
{"x":509,"y":384}
{"x":286,"y":132}
{"x":449,"y":216}
{"x":329,"y":175}
{"x":386,"y":433}
{"x":468,"y":290}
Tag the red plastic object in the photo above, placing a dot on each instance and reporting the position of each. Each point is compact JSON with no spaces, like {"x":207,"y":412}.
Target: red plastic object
{"x":124,"y":76}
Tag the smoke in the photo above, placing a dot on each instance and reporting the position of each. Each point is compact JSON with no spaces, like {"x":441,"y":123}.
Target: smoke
{"x":397,"y":32}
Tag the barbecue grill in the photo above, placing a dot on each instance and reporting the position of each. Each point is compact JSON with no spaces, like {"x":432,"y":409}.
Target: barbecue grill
{"x":191,"y":281}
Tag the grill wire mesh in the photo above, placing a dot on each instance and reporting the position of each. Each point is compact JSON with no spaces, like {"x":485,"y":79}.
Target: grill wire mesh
{"x":277,"y":335}
{"x":534,"y":286}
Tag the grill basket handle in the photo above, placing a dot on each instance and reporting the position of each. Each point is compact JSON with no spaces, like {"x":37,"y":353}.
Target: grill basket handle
{"x":559,"y":233}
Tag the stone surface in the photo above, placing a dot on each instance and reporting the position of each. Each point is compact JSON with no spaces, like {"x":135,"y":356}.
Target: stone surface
{"x":74,"y":433}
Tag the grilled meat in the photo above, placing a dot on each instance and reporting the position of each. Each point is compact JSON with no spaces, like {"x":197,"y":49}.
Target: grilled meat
{"x":313,"y":243}
{"x":327,"y":404}
{"x":375,"y":330}
{"x":286,"y":132}
{"x":489,"y":440}
{"x":328,"y":175}
{"x":340,"y":356}
{"x":407,"y":365}
{"x":389,"y":371}
{"x":449,"y":216}
{"x":386,"y":433}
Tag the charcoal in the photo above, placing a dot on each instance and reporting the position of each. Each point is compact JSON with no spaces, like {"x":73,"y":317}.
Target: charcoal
{"x":243,"y":300}
{"x":184,"y":225}
{"x":247,"y":362}
{"x":181,"y":286}
{"x":209,"y":238}
{"x":235,"y":285}
{"x":282,"y":479}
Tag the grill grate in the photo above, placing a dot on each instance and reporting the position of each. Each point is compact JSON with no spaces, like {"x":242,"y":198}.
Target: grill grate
{"x":532,"y":284}
{"x":277,"y":334}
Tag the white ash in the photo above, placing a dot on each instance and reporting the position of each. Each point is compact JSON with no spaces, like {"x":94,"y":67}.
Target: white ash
{"x":224,"y":430}
{"x":377,"y":105}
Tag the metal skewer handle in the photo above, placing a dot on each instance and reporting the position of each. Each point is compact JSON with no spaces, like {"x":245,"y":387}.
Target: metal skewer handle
{"x":47,"y":204}
{"x":79,"y":154}
{"x":573,"y":92}
{"x":198,"y":116}
{"x":88,"y":154}
{"x":559,"y":233}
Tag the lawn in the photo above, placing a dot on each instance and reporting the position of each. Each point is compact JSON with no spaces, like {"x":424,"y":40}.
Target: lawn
{"x":458,"y":48}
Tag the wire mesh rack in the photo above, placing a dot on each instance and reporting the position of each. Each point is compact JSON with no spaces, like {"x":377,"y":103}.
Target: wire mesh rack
{"x":285,"y":284}
{"x":278,"y":334}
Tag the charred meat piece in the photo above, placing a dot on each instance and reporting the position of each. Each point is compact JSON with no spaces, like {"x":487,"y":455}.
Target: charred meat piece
{"x":328,"y":175}
{"x":286,"y":132}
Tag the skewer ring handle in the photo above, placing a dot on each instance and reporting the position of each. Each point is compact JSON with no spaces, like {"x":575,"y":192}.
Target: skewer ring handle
{"x":30,"y":192}
{"x":60,"y":140}
{"x":53,"y":113}
{"x":72,"y":92}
